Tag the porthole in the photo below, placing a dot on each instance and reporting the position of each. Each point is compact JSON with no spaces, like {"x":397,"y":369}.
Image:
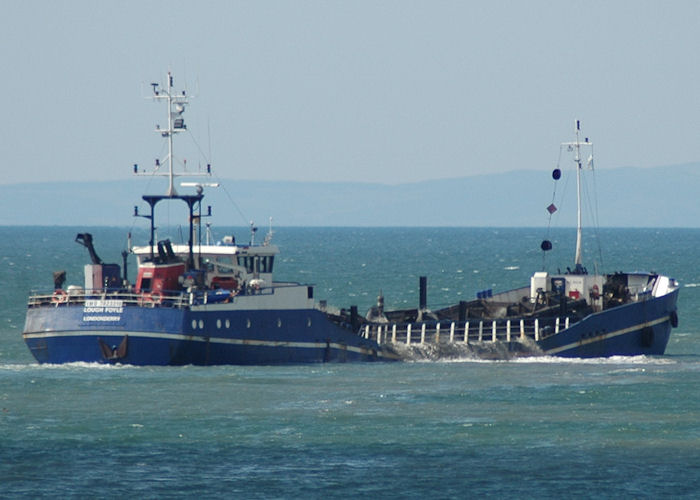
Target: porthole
{"x":218,"y":323}
{"x":228,"y":324}
{"x":201,"y":324}
{"x":194,"y":324}
{"x":247,"y":323}
{"x":308,"y":322}
{"x":279,"y":322}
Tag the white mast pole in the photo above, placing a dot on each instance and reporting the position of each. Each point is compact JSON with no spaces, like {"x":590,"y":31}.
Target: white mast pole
{"x":171,"y":184}
{"x":176,"y":104}
{"x":578,"y":260}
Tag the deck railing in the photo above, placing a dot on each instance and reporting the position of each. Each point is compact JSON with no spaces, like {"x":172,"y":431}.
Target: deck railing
{"x":464,"y":332}
{"x":102,"y":298}
{"x":171,"y":298}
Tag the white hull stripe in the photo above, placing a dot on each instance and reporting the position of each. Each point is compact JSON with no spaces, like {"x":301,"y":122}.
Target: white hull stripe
{"x":605,"y":336}
{"x":212,"y":340}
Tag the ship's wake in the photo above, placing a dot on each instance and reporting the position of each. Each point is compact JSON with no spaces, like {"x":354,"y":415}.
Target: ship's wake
{"x":492,"y":351}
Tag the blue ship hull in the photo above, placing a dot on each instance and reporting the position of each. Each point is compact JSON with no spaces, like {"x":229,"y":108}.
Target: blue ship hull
{"x":637,"y":328}
{"x":143,"y":335}
{"x":629,"y":325}
{"x":171,"y":336}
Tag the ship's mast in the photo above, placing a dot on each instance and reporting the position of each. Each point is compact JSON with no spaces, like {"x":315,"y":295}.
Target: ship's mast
{"x":578,"y":261}
{"x":176,"y":106}
{"x":576,"y":147}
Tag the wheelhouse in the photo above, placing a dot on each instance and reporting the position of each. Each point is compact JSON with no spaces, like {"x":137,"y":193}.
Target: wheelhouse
{"x":221,"y":266}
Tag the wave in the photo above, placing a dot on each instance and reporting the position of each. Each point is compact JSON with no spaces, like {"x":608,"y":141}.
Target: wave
{"x":612,"y":360}
{"x":516,"y":352}
{"x":474,"y":351}
{"x":16,"y":367}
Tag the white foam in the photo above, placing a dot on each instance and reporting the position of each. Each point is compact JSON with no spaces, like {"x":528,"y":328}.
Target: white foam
{"x":63,"y":366}
{"x":612,"y":360}
{"x":554,"y":360}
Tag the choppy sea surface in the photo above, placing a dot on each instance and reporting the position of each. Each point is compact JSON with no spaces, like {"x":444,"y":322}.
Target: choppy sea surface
{"x":625,"y":427}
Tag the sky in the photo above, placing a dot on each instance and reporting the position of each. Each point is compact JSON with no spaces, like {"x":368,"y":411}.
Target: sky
{"x":371,"y":91}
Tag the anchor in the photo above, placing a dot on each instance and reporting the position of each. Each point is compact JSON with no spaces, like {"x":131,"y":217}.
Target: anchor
{"x":113,"y":353}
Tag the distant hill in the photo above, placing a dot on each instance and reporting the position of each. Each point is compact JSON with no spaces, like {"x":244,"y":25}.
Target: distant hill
{"x":626,"y":197}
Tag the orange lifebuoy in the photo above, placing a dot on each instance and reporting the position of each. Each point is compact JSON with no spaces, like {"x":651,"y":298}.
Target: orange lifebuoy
{"x":59,"y":297}
{"x":151,"y":298}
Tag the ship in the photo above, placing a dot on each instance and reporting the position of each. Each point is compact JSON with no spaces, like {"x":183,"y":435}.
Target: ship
{"x":570,"y":314}
{"x":198,"y":303}
{"x":205,"y":303}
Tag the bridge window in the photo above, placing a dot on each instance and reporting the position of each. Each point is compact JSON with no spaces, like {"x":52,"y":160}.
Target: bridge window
{"x":257,"y":263}
{"x":266,"y":263}
{"x":246,"y":262}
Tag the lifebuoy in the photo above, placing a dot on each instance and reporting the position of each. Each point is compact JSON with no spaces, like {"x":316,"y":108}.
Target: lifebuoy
{"x":673,"y":318}
{"x":151,"y":298}
{"x":595,"y":292}
{"x":59,"y":297}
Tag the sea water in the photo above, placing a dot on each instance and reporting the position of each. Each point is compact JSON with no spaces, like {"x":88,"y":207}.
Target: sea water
{"x":529,"y":428}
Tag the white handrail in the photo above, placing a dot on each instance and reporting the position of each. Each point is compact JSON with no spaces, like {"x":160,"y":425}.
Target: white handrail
{"x":501,"y":330}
